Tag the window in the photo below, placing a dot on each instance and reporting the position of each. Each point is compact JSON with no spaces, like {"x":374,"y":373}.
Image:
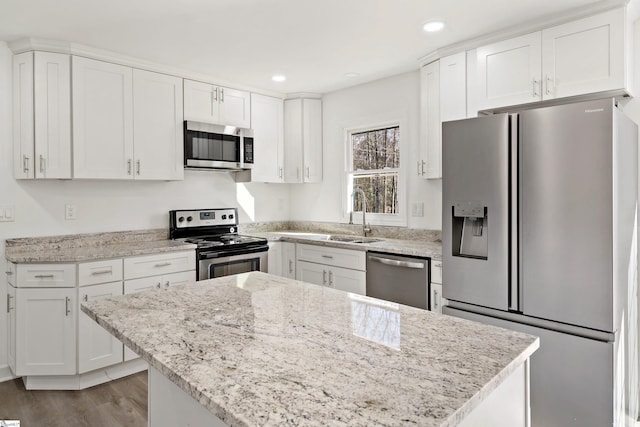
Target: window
{"x":374,"y":168}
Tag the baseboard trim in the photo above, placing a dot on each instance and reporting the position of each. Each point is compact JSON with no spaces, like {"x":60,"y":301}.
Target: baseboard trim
{"x":6,"y":374}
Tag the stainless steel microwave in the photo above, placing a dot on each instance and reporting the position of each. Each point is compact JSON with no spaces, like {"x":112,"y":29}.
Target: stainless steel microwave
{"x":209,"y":146}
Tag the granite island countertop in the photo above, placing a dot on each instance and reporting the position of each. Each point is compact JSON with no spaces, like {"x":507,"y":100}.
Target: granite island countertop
{"x":93,"y":246}
{"x":257,"y":349}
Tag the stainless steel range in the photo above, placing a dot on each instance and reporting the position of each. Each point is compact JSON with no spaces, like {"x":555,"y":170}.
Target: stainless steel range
{"x":221,"y":250}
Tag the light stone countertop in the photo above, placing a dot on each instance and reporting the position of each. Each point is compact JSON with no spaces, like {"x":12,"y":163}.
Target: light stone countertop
{"x":87,"y":247}
{"x":419,"y":248}
{"x":257,"y":349}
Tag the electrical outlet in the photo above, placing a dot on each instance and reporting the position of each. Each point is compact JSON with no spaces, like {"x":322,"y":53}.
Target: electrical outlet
{"x":69,"y":212}
{"x":417,"y":209}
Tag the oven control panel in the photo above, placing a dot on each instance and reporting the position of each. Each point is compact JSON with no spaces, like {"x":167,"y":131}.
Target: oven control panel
{"x":204,"y":217}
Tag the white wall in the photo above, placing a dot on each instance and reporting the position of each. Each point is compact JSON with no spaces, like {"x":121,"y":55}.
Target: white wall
{"x":113,"y":205}
{"x":380,"y":100}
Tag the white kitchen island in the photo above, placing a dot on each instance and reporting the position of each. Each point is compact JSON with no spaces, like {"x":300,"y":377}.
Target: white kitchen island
{"x":256,"y":349}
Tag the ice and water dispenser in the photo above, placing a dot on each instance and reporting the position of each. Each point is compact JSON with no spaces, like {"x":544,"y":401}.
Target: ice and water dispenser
{"x":470,"y":230}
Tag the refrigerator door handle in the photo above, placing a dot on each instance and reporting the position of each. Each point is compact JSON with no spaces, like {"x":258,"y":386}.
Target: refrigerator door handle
{"x":514,"y":265}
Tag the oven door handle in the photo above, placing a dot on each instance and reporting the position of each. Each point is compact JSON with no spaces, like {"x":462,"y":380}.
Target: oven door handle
{"x":232,"y":252}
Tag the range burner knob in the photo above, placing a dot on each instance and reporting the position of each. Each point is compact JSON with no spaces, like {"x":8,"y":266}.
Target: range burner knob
{"x":224,"y":217}
{"x":189,"y":218}
{"x":181,"y":219}
{"x":230,"y":216}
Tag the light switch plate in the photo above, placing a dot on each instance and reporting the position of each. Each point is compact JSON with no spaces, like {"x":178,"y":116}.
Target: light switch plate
{"x":417,"y":209}
{"x":7,"y":213}
{"x":69,"y":212}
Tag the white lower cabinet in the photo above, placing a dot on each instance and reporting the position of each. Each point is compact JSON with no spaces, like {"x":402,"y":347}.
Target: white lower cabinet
{"x":97,"y":348}
{"x":282,"y":259}
{"x":436,"y":301}
{"x":45,"y":331}
{"x":11,"y":327}
{"x":327,"y":266}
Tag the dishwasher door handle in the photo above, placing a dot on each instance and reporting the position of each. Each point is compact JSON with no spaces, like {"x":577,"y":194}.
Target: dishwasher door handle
{"x":397,"y":263}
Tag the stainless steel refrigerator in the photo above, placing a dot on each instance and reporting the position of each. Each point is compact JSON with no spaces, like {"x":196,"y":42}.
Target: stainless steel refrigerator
{"x":539,"y":236}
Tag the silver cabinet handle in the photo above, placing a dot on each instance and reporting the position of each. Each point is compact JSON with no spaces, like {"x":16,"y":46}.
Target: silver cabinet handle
{"x":435,"y":299}
{"x":422,"y":163}
{"x":327,"y":256}
{"x":215,"y":94}
{"x":158,"y":285}
{"x":97,"y":273}
{"x":138,"y":167}
{"x":9,"y":273}
{"x":67,"y":307}
{"x":221,"y":94}
{"x":42,"y":163}
{"x":279,"y":172}
{"x":324,"y":277}
{"x":129,"y":166}
{"x":547,"y":81}
{"x":419,"y":168}
{"x":25,"y":163}
{"x":162,"y":264}
{"x":85,"y":298}
{"x":535,"y":90}
{"x":9,"y":303}
{"x":330,"y":278}
{"x":166,"y":285}
{"x":308,"y":172}
{"x":397,"y":263}
{"x":290,"y":266}
{"x":298,"y":173}
{"x":43,"y":276}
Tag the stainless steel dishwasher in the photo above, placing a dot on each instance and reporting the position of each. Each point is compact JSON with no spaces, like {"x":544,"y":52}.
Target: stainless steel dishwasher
{"x":397,"y":278}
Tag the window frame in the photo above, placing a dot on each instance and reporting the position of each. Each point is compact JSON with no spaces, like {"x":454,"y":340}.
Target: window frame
{"x":398,"y":219}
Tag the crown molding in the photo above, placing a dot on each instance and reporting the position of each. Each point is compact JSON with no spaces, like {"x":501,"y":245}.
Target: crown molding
{"x":522,"y":29}
{"x":77,"y":49}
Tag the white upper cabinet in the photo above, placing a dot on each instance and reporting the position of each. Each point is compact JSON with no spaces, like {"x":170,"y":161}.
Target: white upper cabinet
{"x":580,"y":57}
{"x":102,"y":119}
{"x":509,"y":72}
{"x":157,"y":132}
{"x":303,"y":140}
{"x":584,"y":56}
{"x":42,"y":115}
{"x":453,"y":87}
{"x":430,"y":129}
{"x":216,"y":104}
{"x":268,"y":130}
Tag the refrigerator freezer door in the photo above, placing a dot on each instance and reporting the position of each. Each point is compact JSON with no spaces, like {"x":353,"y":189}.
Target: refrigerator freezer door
{"x":572,"y":378}
{"x":566,"y":213}
{"x":475,"y":210}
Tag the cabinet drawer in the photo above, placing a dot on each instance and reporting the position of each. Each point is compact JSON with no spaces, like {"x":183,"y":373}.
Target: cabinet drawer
{"x":153,"y":265}
{"x":336,"y":257}
{"x":46,"y":276}
{"x":11,"y":273}
{"x":436,"y":272}
{"x":92,"y":273}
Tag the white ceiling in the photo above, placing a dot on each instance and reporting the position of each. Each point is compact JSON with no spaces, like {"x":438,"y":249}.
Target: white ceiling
{"x":313,"y":42}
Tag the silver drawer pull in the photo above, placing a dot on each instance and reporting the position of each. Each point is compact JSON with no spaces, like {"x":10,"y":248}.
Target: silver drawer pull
{"x":330,"y":278}
{"x":396,"y":263}
{"x":96,"y":273}
{"x":44,"y":276}
{"x":67,"y":300}
{"x":158,"y":285}
{"x":327,"y":256}
{"x":324,"y":277}
{"x":9,"y":303}
{"x":163,"y":264}
{"x":85,"y":298}
{"x":9,"y":273}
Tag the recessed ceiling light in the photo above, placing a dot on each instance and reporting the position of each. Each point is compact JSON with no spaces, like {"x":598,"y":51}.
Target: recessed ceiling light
{"x":352,"y":75}
{"x":278,"y":78}
{"x":433,"y":26}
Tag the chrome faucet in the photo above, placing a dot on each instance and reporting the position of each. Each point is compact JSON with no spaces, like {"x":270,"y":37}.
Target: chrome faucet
{"x":366,"y":228}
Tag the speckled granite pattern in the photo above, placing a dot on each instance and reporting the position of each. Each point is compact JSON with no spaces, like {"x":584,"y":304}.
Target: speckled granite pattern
{"x":257,"y":349}
{"x":84,"y":247}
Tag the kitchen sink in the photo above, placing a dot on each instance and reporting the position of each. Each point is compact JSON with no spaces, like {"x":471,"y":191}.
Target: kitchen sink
{"x":352,"y":239}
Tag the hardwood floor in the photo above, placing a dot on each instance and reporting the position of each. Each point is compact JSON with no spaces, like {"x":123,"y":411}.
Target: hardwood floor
{"x":121,"y":402}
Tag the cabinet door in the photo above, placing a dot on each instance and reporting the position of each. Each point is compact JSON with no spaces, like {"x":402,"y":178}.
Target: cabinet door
{"x":453,"y":87}
{"x":182,"y":278}
{"x":435,"y":299}
{"x":293,"y":140}
{"x":46,"y":331}
{"x":158,"y":133}
{"x":274,"y":258}
{"x":430,"y":134}
{"x":344,"y":279}
{"x":312,"y":139}
{"x":584,"y":56}
{"x":97,"y":348}
{"x":288,"y":266}
{"x":11,"y":328}
{"x":509,"y":72}
{"x":52,"y":85}
{"x":309,"y":272}
{"x":23,"y":117}
{"x":139,"y":285}
{"x":201,"y":102}
{"x":235,"y":107}
{"x":102,"y":119}
{"x":268,"y":127}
